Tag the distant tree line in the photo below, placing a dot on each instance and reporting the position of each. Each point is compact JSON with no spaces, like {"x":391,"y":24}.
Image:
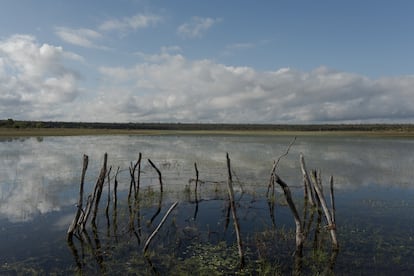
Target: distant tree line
{"x":10,"y":123}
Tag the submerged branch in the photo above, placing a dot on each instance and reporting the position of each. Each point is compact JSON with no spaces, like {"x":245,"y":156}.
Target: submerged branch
{"x":147,"y":243}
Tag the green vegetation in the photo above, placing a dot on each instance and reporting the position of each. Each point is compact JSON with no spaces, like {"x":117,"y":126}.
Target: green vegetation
{"x":12,"y":127}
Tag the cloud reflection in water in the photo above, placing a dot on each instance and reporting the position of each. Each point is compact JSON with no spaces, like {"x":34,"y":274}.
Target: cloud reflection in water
{"x":38,"y":176}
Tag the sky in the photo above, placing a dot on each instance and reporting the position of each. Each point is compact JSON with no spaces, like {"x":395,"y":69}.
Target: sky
{"x":194,"y":61}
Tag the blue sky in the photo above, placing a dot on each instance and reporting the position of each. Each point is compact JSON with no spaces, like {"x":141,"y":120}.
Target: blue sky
{"x":207,"y":61}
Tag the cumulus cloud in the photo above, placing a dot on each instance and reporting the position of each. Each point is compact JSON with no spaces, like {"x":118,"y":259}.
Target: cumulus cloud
{"x":135,"y":22}
{"x":35,"y":83}
{"x":169,"y":87}
{"x":34,"y":79}
{"x":80,"y":37}
{"x":196,"y":27}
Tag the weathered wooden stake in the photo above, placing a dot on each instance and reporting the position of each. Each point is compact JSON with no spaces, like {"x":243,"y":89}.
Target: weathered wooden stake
{"x":99,"y":185}
{"x":196,"y":192}
{"x":159,"y":174}
{"x":331,"y":224}
{"x":116,"y":189}
{"x":109,"y":194}
{"x":233,"y":211}
{"x":331,"y":182}
{"x":138,"y":176}
{"x":292,"y":206}
{"x":79,"y":211}
{"x":308,"y":186}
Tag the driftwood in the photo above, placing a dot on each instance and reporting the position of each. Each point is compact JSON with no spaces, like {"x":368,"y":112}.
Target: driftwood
{"x":147,"y":243}
{"x":233,"y":212}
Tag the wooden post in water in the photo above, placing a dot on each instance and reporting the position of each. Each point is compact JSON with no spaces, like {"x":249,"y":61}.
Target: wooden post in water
{"x":75,"y":221}
{"x":233,"y":212}
{"x":292,"y":206}
{"x":307,"y":183}
{"x":138,"y":176}
{"x":159,"y":174}
{"x":99,"y":184}
{"x":109,"y":195}
{"x":331,"y":224}
{"x":331,"y":182}
{"x":195,"y":191}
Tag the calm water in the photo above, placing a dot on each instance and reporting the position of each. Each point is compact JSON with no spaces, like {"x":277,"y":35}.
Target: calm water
{"x":39,"y":182}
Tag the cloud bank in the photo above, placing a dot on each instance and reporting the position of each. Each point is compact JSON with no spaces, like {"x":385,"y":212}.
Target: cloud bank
{"x":36,"y":84}
{"x":173,"y":88}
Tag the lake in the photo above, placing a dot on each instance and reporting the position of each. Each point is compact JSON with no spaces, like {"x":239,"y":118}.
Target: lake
{"x":39,"y":187}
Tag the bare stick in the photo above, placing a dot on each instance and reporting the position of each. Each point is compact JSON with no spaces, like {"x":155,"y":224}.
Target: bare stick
{"x":99,"y":184}
{"x":271,"y":182}
{"x":292,"y":206}
{"x":147,"y":243}
{"x":138,"y":176}
{"x":233,"y":211}
{"x":196,"y":181}
{"x":74,"y":224}
{"x":108,"y":224}
{"x":159,"y":173}
{"x":132,"y":183}
{"x":331,"y":182}
{"x":307,"y":182}
{"x":109,"y":194}
{"x":195,"y":191}
{"x":116,"y":189}
{"x":331,"y":224}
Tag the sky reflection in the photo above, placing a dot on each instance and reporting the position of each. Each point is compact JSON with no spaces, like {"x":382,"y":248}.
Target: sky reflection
{"x":38,"y":176}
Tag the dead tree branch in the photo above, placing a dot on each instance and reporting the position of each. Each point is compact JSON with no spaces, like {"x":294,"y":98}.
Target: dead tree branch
{"x":147,"y":243}
{"x":233,"y":211}
{"x":159,"y":174}
{"x":75,"y":221}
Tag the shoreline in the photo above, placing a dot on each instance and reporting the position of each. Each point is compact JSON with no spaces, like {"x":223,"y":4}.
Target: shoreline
{"x":43,"y":132}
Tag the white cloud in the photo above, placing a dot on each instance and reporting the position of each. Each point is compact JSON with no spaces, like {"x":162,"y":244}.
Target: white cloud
{"x":35,"y":83}
{"x":135,"y":22}
{"x":171,"y":88}
{"x":196,"y":27}
{"x":34,"y":79}
{"x":80,"y":37}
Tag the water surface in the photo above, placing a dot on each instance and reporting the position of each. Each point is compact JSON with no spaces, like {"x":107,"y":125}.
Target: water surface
{"x":39,"y":182}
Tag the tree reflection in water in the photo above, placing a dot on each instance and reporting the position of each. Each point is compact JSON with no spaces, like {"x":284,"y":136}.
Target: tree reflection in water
{"x":198,"y":242}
